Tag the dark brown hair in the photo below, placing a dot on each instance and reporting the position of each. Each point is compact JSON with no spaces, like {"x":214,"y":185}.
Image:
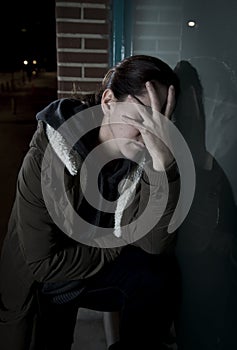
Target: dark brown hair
{"x":130,"y":75}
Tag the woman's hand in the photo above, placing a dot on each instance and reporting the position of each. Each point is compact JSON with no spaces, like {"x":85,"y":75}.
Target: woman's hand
{"x":153,"y":127}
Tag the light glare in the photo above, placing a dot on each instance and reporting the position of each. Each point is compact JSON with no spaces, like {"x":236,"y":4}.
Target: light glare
{"x":191,"y":24}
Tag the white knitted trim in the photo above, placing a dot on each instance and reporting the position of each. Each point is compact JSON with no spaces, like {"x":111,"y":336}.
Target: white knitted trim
{"x":128,"y":190}
{"x":64,"y":151}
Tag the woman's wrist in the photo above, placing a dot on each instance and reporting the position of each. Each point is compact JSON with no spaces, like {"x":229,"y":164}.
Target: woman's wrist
{"x":162,"y":164}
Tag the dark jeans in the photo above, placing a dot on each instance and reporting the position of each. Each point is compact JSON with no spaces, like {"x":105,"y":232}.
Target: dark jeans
{"x":143,"y":287}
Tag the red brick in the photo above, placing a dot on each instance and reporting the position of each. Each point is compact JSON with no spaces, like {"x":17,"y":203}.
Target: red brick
{"x":91,"y":13}
{"x":101,"y":44}
{"x":69,"y":43}
{"x":82,"y":28}
{"x":69,"y":71}
{"x":83,"y":57}
{"x":94,"y":72}
{"x":68,"y":12}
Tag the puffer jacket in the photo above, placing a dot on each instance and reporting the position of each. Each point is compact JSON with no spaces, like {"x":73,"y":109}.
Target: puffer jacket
{"x":36,"y":248}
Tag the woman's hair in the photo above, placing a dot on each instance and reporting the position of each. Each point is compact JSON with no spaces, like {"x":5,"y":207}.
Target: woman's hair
{"x":129,"y":76}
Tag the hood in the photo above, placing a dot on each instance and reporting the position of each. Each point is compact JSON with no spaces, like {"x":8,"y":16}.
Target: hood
{"x":65,"y":120}
{"x":62,"y":121}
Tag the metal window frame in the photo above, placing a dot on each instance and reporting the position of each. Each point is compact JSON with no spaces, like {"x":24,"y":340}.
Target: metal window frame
{"x":122,"y":30}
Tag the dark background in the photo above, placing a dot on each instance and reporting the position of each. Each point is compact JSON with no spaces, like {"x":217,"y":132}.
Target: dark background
{"x":28,"y":31}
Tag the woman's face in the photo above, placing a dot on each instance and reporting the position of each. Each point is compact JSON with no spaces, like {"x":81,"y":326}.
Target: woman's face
{"x":127,"y":139}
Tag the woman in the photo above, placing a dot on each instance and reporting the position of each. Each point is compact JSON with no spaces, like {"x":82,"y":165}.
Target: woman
{"x":62,"y":251}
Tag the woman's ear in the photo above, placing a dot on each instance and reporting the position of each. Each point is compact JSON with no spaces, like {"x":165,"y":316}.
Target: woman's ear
{"x":106,"y":99}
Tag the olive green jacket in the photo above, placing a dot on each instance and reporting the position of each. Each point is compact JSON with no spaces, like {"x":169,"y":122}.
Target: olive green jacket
{"x":37,"y":250}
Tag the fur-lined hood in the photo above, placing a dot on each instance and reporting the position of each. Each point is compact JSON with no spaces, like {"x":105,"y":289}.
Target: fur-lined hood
{"x":55,"y":118}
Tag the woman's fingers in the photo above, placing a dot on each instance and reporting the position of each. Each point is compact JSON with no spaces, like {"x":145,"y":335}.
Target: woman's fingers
{"x":142,"y":110}
{"x":154,"y":98}
{"x":170,"y":102}
{"x":139,"y":125}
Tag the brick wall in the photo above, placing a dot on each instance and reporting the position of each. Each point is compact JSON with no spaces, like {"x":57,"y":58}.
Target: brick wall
{"x":82,"y":45}
{"x":83,"y":38}
{"x":158,"y":29}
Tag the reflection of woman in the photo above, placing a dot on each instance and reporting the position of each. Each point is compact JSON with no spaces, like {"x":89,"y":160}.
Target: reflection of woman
{"x":207,"y":238}
{"x":39,"y":259}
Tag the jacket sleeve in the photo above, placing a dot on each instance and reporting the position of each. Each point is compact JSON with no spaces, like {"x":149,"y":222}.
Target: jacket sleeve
{"x":152,"y":209}
{"x":49,"y":253}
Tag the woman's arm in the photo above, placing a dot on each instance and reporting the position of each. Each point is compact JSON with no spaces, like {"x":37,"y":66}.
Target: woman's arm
{"x":49,"y":253}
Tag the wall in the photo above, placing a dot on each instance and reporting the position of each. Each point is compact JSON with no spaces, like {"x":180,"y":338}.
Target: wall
{"x":157,"y":29}
{"x":82,"y":45}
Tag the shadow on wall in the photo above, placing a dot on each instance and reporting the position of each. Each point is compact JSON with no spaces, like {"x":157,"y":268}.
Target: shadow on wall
{"x":207,"y":240}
